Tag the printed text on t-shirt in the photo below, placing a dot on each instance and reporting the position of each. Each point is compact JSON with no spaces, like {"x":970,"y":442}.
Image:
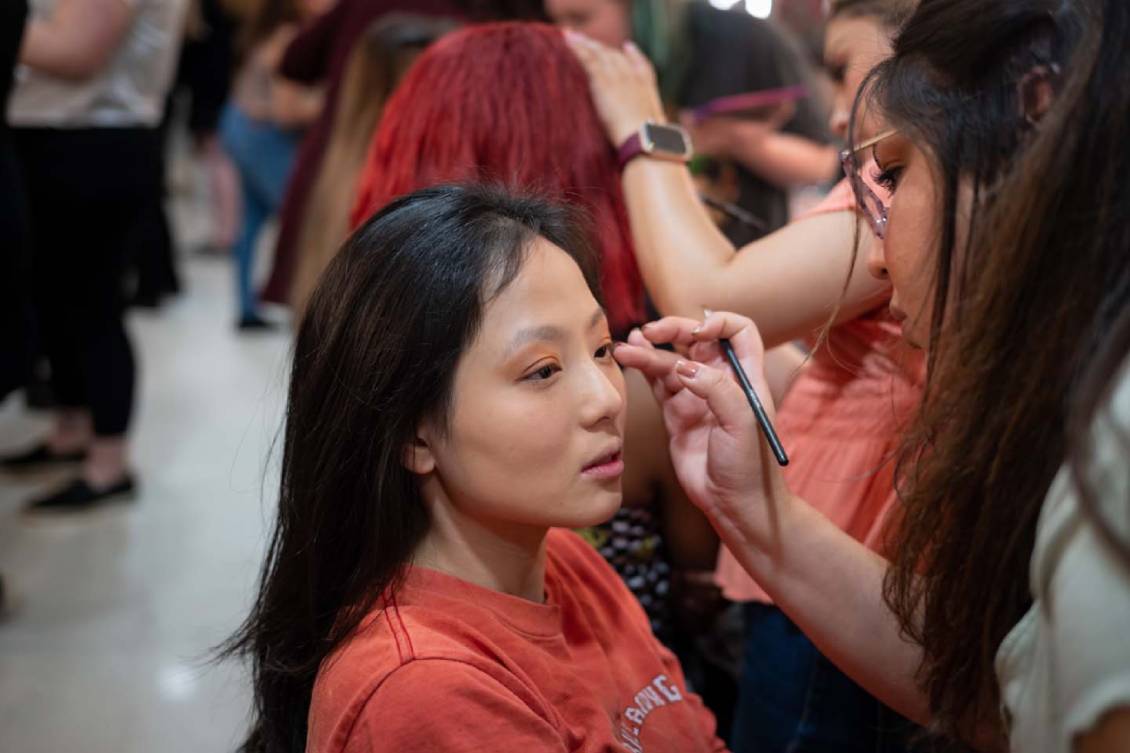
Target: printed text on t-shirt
{"x":659,"y":692}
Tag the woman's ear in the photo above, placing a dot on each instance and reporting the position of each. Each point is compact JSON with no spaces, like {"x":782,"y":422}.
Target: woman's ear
{"x":1037,"y":92}
{"x":418,"y":456}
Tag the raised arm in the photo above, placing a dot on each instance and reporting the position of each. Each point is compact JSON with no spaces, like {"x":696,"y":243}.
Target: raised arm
{"x":789,"y":282}
{"x":78,"y":38}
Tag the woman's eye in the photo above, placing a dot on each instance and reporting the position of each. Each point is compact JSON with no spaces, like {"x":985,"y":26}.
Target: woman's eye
{"x":888,"y":178}
{"x":604,"y":351}
{"x":545,"y":372}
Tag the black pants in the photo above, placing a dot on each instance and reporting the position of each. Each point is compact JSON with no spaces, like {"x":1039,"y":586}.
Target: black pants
{"x":87,"y":189}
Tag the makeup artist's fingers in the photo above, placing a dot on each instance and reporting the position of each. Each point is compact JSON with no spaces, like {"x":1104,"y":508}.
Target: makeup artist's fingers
{"x":706,"y":352}
{"x":722,"y":395}
{"x":674,"y":330}
{"x":635,"y":337}
{"x":657,"y":366}
{"x":724,"y":324}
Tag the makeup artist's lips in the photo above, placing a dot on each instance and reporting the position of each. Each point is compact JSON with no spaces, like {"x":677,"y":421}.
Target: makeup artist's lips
{"x":608,"y":466}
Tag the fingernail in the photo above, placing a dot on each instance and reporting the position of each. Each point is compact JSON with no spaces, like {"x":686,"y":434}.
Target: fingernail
{"x":697,"y":329}
{"x":708,"y":312}
{"x":686,"y":369}
{"x":649,"y":325}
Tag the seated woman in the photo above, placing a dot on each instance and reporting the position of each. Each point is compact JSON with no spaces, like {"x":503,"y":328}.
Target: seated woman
{"x":509,"y":102}
{"x":453,"y":402}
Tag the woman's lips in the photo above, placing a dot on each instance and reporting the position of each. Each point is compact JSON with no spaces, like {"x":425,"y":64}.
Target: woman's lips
{"x":897,"y":314}
{"x":608,"y":467}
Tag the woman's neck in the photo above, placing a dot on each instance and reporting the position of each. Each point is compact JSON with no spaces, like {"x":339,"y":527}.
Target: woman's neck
{"x":502,"y":557}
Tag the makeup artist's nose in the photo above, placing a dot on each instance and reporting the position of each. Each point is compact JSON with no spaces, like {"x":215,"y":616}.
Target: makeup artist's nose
{"x":601,"y":398}
{"x":877,"y":260}
{"x":838,"y":122}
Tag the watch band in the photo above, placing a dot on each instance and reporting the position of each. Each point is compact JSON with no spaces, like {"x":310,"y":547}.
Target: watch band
{"x":629,"y":150}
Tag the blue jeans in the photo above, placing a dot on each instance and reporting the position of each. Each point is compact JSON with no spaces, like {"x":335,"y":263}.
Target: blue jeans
{"x":793,"y":700}
{"x":264,"y":155}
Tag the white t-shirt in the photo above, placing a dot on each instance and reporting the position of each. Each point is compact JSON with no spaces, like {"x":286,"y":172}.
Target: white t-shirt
{"x":1067,"y":663}
{"x":129,"y":91}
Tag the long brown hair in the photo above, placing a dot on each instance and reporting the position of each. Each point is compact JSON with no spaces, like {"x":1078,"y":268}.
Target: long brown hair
{"x":378,"y":62}
{"x":1020,"y":311}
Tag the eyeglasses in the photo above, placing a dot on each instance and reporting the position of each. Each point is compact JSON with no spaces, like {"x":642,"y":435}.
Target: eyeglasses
{"x":873,"y":207}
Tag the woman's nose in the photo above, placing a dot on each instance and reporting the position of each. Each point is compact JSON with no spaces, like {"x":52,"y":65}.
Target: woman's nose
{"x":604,"y":398}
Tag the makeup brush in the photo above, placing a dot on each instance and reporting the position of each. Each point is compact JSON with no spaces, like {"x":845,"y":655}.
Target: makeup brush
{"x":754,"y":401}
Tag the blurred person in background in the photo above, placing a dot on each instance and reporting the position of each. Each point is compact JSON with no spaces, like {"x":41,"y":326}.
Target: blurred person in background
{"x":261,"y":128}
{"x":16,"y":322}
{"x":379,"y":61}
{"x":207,"y":65}
{"x":318,"y":56}
{"x":702,"y":53}
{"x":85,"y":110}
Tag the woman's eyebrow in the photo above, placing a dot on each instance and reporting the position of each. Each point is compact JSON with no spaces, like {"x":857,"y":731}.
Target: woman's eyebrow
{"x":547,"y":333}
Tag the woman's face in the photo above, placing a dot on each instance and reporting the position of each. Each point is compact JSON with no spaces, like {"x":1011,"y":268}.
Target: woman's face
{"x":908,"y":252}
{"x":852,"y":47}
{"x":606,"y":21}
{"x":535,"y":431}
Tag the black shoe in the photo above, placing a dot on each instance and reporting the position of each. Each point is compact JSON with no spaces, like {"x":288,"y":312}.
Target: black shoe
{"x":38,"y":457}
{"x":80,"y":496}
{"x":253,"y":323}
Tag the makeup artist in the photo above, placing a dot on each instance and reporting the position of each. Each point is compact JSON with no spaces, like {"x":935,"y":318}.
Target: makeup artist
{"x":703,"y":53}
{"x":841,"y":416}
{"x":1000,"y":618}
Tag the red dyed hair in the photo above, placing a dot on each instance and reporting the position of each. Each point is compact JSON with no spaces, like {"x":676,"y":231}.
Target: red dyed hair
{"x":506,"y":103}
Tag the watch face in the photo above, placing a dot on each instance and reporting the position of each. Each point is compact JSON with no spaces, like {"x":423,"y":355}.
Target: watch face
{"x":667,"y":139}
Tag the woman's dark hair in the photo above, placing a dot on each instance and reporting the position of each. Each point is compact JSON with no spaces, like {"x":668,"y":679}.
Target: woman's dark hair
{"x":375,"y":354}
{"x":1022,"y":309}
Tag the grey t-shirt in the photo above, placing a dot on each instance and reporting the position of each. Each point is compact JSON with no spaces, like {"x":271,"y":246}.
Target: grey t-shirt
{"x":130,"y":89}
{"x":1067,"y":662}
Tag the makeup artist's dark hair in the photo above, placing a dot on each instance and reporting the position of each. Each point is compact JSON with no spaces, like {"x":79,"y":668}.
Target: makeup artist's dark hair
{"x":1025,"y":301}
{"x":375,"y":354}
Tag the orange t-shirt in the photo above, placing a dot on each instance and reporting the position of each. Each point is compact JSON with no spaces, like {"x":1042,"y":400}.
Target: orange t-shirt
{"x":450,"y":666}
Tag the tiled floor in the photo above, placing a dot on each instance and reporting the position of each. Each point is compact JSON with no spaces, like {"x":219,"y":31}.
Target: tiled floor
{"x":107,"y":649}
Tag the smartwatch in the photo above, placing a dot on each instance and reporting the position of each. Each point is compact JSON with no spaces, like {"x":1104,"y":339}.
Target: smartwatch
{"x":657,"y":140}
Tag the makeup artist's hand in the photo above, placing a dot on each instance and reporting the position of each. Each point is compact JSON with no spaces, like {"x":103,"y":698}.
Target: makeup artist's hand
{"x":717,"y":449}
{"x":622,"y":83}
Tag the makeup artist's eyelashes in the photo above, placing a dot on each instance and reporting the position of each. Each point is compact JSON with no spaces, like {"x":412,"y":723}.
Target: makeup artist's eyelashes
{"x":888,"y":178}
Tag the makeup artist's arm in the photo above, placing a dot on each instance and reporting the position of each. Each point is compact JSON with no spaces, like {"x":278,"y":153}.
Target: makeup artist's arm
{"x":78,"y":38}
{"x":828,"y":583}
{"x":788,"y":282}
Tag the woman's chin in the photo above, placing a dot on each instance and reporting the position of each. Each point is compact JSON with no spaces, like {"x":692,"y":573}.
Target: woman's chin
{"x":596,"y":509}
